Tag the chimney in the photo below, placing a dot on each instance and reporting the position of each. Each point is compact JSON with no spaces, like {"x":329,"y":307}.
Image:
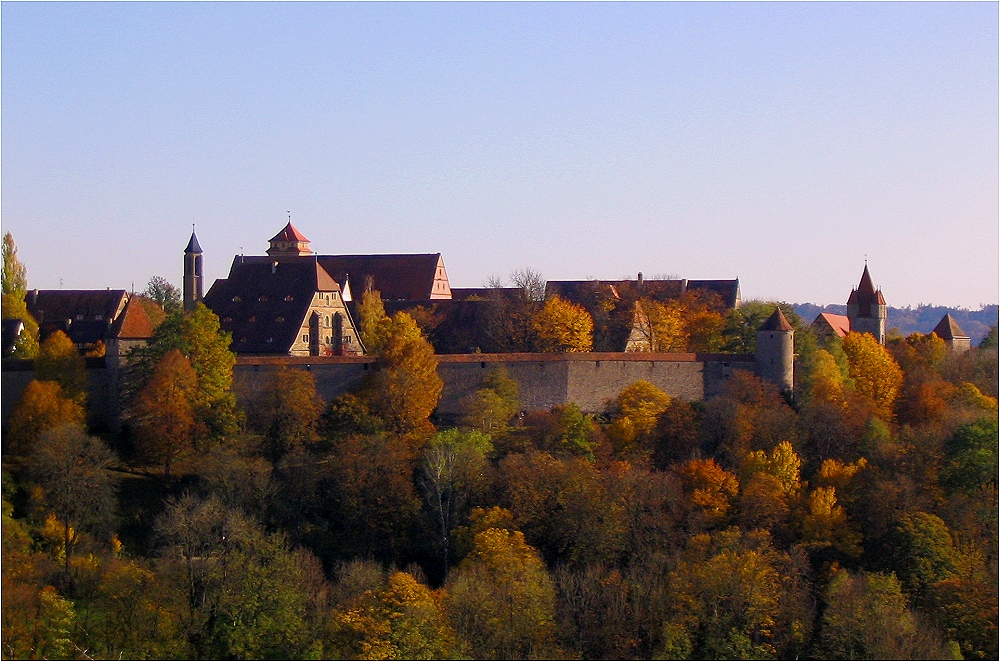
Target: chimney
{"x":640,"y":280}
{"x":274,"y":267}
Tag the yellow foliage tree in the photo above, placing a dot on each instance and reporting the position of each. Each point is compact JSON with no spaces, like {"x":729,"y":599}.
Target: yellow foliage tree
{"x":637,"y":411}
{"x":825,"y":524}
{"x":783,"y":463}
{"x":375,"y":324}
{"x":59,"y":361}
{"x":406,"y":387}
{"x":826,"y":382}
{"x":562,"y":326}
{"x":42,"y":406}
{"x":709,"y":487}
{"x":658,"y":327}
{"x":877,"y":377}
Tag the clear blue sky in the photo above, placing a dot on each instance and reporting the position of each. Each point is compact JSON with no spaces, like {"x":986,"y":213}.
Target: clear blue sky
{"x":780,"y":143}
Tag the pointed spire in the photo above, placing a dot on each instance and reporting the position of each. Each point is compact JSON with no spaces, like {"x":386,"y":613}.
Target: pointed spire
{"x":777,"y":322}
{"x":866,"y":285}
{"x":193,"y":245}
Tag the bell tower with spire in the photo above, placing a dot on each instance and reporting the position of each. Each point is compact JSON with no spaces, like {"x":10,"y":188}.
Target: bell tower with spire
{"x":866,"y":308}
{"x":193,"y":278}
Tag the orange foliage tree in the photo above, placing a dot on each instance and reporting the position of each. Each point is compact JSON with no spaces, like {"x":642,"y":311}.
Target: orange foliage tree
{"x":877,"y":377}
{"x":164,"y":411}
{"x":42,"y":406}
{"x":561,"y":326}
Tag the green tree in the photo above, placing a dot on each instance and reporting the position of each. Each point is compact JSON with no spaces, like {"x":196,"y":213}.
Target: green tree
{"x":451,"y":470}
{"x":71,"y":468}
{"x":923,"y":551}
{"x":165,"y":295}
{"x":164,"y":411}
{"x":491,"y":408}
{"x":501,"y":598}
{"x":375,"y":324}
{"x":15,"y":288}
{"x":970,"y":463}
{"x":59,"y":361}
{"x":196,"y":335}
{"x":562,"y":326}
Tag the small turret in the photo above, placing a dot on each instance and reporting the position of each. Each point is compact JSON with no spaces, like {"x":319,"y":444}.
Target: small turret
{"x":776,"y":352}
{"x":289,"y":243}
{"x":193,"y":277}
{"x":952,"y":334}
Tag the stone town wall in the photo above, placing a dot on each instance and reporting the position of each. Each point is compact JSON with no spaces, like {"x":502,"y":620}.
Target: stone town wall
{"x":545,"y":380}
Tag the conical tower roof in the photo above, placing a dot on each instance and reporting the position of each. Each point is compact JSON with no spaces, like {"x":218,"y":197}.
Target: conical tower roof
{"x":948,"y":328}
{"x":289,"y":233}
{"x":866,"y":294}
{"x":193,"y":245}
{"x":777,"y":322}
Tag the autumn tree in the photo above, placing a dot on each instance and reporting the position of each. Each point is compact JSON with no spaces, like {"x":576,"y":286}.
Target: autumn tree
{"x":164,"y":411}
{"x":501,"y":598}
{"x":42,"y":406}
{"x":562,"y":326}
{"x":289,"y":412}
{"x":659,"y":327}
{"x":709,"y":488}
{"x":451,"y":471}
{"x":15,"y":289}
{"x":71,"y":468}
{"x":876,"y":375}
{"x":565,"y":431}
{"x":59,"y":361}
{"x":198,"y":336}
{"x":636,"y":412}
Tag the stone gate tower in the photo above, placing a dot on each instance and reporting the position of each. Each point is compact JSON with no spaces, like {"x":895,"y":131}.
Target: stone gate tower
{"x":866,"y":309}
{"x":776,"y":352}
{"x":193,"y":278}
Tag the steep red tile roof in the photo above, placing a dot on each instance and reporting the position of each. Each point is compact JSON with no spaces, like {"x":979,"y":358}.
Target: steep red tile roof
{"x":840,"y":324}
{"x":776,"y":322}
{"x":948,"y":328}
{"x":133,"y":323}
{"x":289,"y":233}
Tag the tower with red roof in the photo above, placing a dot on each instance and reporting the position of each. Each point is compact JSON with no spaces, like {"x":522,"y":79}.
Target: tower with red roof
{"x":866,"y":308}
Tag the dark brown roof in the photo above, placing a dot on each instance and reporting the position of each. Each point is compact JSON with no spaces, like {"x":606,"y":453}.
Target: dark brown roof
{"x":76,"y":305}
{"x":948,"y":328}
{"x":193,"y":245}
{"x":776,"y":322}
{"x":394,"y":276}
{"x":265,"y":300}
{"x":579,"y":291}
{"x":133,"y":323}
{"x":866,"y":295}
{"x":289,"y":233}
{"x":728,"y":290}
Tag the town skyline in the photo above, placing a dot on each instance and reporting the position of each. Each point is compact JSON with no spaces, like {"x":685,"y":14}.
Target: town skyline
{"x":780,"y":144}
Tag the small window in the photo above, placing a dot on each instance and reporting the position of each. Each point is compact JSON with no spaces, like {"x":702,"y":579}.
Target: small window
{"x":262,"y":297}
{"x":237,"y":299}
{"x":270,"y":340}
{"x":305,"y":337}
{"x":98,"y":317}
{"x":79,"y":317}
{"x":243,"y":339}
{"x":252,"y":318}
{"x":288,"y":298}
{"x":227,"y":319}
{"x":279,"y":319}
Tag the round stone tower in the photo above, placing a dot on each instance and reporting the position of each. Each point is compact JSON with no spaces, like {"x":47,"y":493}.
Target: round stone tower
{"x":193,"y":278}
{"x":776,"y":352}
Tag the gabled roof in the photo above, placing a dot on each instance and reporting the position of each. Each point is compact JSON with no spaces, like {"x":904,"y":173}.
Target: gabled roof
{"x":394,"y":276}
{"x":289,"y":233}
{"x":728,"y":290}
{"x":839,"y":324}
{"x":265,"y":300}
{"x":133,"y":323}
{"x":948,"y":328}
{"x":193,"y":245}
{"x":866,"y":294}
{"x":776,"y":322}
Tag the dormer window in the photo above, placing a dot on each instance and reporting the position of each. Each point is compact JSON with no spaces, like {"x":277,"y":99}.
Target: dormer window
{"x":270,"y":339}
{"x":288,"y":298}
{"x":79,"y":317}
{"x":243,"y":339}
{"x":227,"y":319}
{"x":262,"y":297}
{"x":279,"y":319}
{"x":237,"y":299}
{"x":252,"y":319}
{"x":98,"y":317}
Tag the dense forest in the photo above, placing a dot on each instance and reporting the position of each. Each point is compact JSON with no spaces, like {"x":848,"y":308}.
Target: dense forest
{"x":855,"y":518}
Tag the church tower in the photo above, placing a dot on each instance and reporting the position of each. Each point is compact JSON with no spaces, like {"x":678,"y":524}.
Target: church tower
{"x":193,"y":278}
{"x":776,"y":352}
{"x":866,"y":308}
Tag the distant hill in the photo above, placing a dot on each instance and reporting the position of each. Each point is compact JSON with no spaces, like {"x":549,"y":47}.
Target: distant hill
{"x":921,"y":319}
